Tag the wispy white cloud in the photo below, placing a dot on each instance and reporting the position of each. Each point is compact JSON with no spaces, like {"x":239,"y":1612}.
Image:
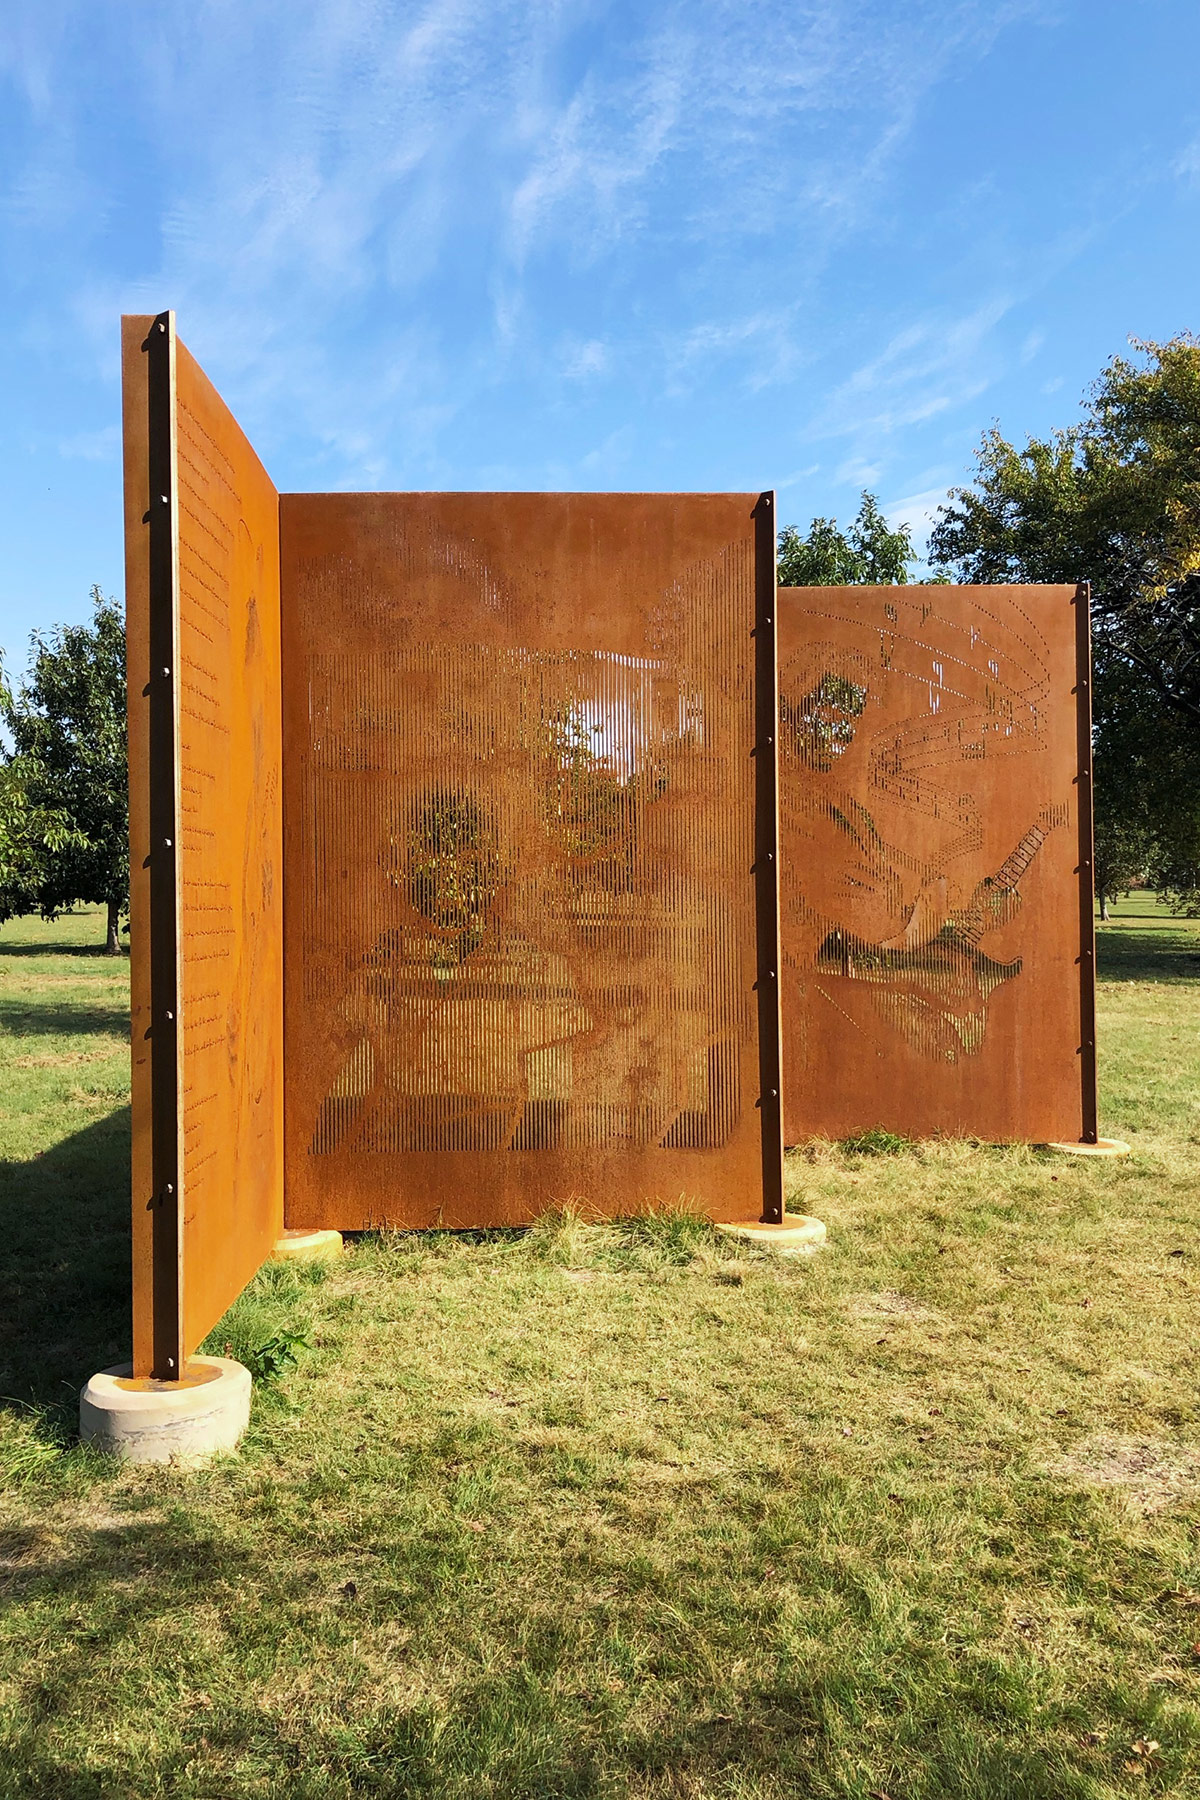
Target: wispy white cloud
{"x":917,"y":511}
{"x":371,"y":215}
{"x":924,"y":369}
{"x":762,"y":343}
{"x":584,"y":361}
{"x":92,"y":446}
{"x":797,"y":476}
{"x":1187,"y":163}
{"x":855,"y":472}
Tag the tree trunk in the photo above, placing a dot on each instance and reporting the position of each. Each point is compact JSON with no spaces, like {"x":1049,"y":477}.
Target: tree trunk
{"x":1104,"y":908}
{"x":112,"y":945}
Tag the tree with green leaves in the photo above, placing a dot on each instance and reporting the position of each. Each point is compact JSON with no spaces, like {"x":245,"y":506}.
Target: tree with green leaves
{"x":64,"y":816}
{"x":1115,"y":500}
{"x":870,"y":553}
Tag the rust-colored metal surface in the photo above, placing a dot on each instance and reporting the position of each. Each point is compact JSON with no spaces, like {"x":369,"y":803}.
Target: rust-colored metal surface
{"x":1085,"y":833}
{"x":930,"y":863}
{"x":519,"y":845}
{"x":212,"y":594}
{"x":149,"y":620}
{"x":766,"y":860}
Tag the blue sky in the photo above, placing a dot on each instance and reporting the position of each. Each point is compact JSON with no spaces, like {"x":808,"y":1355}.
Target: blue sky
{"x":479,"y":244}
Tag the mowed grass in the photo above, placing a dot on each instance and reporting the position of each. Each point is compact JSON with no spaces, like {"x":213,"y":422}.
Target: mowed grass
{"x":618,"y":1510}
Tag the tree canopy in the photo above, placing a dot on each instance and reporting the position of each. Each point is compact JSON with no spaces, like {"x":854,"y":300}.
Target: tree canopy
{"x":64,"y":833}
{"x":870,"y":553}
{"x":1115,"y":500}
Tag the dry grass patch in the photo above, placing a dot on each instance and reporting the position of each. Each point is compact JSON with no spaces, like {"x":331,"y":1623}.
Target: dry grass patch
{"x":1154,"y":1474}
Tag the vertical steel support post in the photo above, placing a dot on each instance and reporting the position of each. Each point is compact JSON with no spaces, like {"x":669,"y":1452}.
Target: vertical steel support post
{"x":166,"y":1201}
{"x":766,"y":859}
{"x":1089,"y":1123}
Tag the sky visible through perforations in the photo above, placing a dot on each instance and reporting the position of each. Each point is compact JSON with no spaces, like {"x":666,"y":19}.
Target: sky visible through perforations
{"x":712,"y":244}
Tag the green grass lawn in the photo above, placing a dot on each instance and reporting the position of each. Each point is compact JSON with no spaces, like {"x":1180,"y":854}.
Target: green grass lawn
{"x":617,"y":1510}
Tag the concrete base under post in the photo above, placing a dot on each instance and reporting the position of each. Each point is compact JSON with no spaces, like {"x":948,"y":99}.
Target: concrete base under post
{"x":799,"y":1235}
{"x":308,"y":1246}
{"x":1102,"y":1147}
{"x":185,"y":1422}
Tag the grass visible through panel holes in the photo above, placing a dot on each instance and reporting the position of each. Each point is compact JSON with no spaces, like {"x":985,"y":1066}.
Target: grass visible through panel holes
{"x":569,"y":1511}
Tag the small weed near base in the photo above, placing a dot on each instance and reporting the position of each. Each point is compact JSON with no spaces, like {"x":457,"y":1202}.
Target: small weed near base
{"x":633,"y":1509}
{"x":878,"y":1141}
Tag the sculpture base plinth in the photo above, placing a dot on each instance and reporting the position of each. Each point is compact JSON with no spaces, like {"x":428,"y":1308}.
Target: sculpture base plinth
{"x":1102,"y":1147}
{"x":308,"y":1246}
{"x":798,"y":1235}
{"x":186,"y":1422}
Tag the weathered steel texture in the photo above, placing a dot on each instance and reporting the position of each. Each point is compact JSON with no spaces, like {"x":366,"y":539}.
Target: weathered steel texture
{"x":1089,"y":1127}
{"x":766,"y":861}
{"x":231,"y":854}
{"x":206,"y":823}
{"x":151,"y":569}
{"x":519,"y":838}
{"x":930,"y":846}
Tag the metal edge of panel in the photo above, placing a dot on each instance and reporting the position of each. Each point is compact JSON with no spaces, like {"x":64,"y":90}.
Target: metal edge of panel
{"x":285,"y":902}
{"x":165,"y":1042}
{"x":766,"y":858}
{"x":1089,"y":1111}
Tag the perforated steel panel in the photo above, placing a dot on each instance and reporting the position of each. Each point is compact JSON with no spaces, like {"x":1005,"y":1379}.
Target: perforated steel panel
{"x":519,"y":837}
{"x":930,"y":849}
{"x":206,"y":838}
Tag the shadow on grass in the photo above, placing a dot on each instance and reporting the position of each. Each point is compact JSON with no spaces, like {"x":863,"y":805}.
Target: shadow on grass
{"x":1166,"y":952}
{"x":63,"y":1018}
{"x":119,"y":1584}
{"x":64,"y":1269}
{"x":66,"y":948}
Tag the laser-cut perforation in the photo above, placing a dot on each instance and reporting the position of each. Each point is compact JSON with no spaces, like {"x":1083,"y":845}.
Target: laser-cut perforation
{"x":230,"y":853}
{"x":519,"y":844}
{"x":927,"y":762}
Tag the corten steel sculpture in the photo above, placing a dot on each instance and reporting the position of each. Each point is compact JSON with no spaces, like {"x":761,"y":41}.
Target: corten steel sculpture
{"x":492,"y":777}
{"x":937,"y":862}
{"x":457,"y":859}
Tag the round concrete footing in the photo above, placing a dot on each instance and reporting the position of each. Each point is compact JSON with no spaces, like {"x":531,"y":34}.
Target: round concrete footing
{"x":1102,"y":1147}
{"x":798,"y":1235}
{"x":308,"y":1246}
{"x":184,"y":1422}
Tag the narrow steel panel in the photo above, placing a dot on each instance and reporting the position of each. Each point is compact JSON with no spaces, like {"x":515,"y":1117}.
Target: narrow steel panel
{"x":202,"y":624}
{"x":1089,"y":1109}
{"x":930,"y":849}
{"x":766,"y":860}
{"x":151,"y":548}
{"x":519,"y":844}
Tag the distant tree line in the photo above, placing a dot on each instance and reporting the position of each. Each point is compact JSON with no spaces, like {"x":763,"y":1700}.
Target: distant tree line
{"x":1115,"y":500}
{"x":64,"y":815}
{"x":871,"y":553}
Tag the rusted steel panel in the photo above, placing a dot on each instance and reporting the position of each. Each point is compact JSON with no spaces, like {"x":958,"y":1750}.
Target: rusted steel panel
{"x":211,"y":822}
{"x":519,"y":846}
{"x":929,"y":861}
{"x":231,"y":854}
{"x":766,"y":861}
{"x":1086,"y":857}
